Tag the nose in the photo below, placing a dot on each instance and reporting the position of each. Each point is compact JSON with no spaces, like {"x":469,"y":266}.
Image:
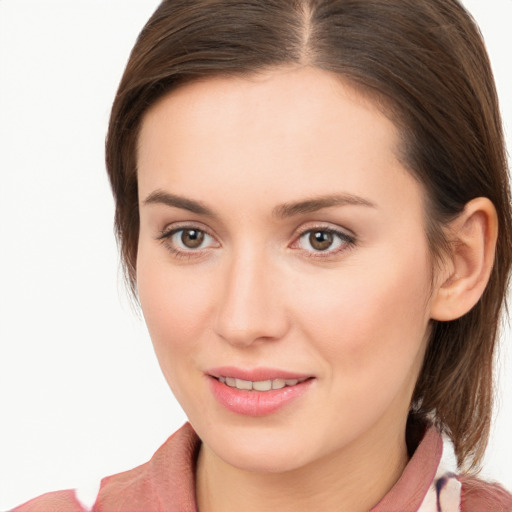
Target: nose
{"x":251,"y":308}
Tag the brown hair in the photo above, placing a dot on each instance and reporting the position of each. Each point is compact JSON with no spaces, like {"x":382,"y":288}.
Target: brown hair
{"x":425,"y":60}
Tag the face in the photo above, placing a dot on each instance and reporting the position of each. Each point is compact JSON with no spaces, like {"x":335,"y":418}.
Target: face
{"x":282,"y":248}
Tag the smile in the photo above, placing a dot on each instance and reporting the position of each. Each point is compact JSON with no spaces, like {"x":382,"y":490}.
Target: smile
{"x":260,"y":385}
{"x":257,"y":392}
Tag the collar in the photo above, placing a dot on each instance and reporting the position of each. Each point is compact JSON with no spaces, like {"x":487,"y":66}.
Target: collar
{"x":167,"y":481}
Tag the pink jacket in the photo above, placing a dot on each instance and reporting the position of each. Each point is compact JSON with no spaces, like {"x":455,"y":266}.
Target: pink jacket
{"x":166,"y":483}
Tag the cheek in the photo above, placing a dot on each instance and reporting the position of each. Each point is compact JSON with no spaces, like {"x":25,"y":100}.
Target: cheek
{"x":369,"y":329}
{"x":175,"y":309}
{"x":176,"y":304}
{"x":370,"y":318}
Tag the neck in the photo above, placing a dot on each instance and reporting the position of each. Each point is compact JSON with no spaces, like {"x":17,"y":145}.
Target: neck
{"x":355,"y":478}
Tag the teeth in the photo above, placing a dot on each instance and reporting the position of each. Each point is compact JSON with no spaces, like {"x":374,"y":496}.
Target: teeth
{"x":261,"y":385}
{"x":278,"y":383}
{"x":243,"y":384}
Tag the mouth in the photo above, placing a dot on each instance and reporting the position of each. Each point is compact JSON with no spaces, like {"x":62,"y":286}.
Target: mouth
{"x":257,"y":392}
{"x":259,"y":385}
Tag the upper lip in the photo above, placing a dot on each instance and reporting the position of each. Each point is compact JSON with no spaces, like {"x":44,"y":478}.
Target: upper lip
{"x":255,"y":374}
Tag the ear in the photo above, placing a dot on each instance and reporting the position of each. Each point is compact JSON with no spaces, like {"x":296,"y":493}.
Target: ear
{"x":467,"y":266}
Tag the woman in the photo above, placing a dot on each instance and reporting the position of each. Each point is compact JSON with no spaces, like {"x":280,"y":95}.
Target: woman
{"x":313,"y":210}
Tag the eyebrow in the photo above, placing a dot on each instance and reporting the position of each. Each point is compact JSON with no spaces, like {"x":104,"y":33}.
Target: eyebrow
{"x":281,"y":211}
{"x":161,"y":197}
{"x":317,"y":203}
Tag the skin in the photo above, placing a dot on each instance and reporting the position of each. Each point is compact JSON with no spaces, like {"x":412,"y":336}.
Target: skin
{"x":257,"y":294}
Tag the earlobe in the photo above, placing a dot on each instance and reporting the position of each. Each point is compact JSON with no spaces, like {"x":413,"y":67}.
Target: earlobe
{"x":472,"y":237}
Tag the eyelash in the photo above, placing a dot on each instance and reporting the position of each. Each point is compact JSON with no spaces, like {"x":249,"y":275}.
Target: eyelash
{"x":346,"y":241}
{"x":166,"y":239}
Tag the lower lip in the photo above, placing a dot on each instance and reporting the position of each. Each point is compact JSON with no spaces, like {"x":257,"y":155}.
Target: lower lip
{"x":256,"y":403}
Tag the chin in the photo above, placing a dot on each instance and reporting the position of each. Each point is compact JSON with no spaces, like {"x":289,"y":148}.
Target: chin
{"x":258,"y":449}
{"x":269,"y":459}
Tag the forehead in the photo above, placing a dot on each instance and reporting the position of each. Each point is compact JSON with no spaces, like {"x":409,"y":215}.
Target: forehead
{"x":295,"y":130}
{"x":306,"y":91}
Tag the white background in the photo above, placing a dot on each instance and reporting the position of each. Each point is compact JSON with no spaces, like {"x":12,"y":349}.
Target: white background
{"x":81,"y":395}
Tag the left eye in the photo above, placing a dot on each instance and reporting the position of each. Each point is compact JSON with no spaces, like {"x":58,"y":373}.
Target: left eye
{"x":190,"y":239}
{"x":322,"y":240}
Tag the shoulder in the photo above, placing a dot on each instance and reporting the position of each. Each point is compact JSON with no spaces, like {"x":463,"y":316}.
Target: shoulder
{"x":164,"y":481}
{"x":480,"y":496}
{"x":61,"y":501}
{"x":123,"y":491}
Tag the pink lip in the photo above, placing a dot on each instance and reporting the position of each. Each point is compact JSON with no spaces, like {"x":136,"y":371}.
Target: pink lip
{"x":256,"y":403}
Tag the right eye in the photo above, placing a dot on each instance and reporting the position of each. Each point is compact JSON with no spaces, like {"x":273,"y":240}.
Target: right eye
{"x":187,"y":240}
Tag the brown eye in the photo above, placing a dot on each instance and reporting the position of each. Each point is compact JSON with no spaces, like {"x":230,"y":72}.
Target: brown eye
{"x":188,"y":242}
{"x":324,"y":241}
{"x":192,"y":238}
{"x":321,"y":240}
